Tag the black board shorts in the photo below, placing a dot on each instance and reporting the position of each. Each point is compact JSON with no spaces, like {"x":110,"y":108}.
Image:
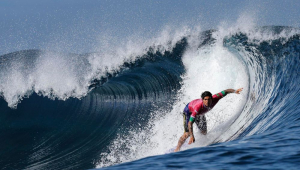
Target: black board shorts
{"x":200,"y":120}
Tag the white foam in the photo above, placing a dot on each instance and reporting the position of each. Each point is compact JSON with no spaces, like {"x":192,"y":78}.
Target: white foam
{"x":57,"y":75}
{"x":53,"y":75}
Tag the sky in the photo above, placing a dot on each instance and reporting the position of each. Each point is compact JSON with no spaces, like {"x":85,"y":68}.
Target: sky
{"x":79,"y":26}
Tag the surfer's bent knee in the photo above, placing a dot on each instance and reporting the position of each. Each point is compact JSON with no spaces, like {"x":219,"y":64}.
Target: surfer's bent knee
{"x":184,"y":137}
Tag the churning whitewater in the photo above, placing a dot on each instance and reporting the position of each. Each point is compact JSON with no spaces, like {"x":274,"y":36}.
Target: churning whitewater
{"x":123,"y":107}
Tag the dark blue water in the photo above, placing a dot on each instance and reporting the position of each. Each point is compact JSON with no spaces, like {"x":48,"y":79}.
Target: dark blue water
{"x":58,"y":112}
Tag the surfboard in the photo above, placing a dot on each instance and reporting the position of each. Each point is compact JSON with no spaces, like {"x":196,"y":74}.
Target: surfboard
{"x":185,"y":145}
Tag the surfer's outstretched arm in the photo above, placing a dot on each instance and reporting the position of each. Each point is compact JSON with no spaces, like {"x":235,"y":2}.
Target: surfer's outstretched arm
{"x":234,"y":91}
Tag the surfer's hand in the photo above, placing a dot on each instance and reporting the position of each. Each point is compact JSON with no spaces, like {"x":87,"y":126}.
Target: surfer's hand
{"x":192,"y":139}
{"x":238,"y":91}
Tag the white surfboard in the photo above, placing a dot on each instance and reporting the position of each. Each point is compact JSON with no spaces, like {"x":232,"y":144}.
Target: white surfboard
{"x":185,"y":145}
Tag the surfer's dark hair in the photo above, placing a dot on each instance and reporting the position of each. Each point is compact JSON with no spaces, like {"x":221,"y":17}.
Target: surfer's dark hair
{"x":206,"y":93}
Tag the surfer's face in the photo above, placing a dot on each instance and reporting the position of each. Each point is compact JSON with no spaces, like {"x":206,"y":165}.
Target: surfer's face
{"x":207,"y":101}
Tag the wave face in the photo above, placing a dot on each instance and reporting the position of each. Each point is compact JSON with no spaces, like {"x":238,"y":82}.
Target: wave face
{"x":71,"y":111}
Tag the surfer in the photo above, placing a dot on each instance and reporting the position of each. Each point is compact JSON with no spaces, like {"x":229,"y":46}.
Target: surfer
{"x":194,"y":112}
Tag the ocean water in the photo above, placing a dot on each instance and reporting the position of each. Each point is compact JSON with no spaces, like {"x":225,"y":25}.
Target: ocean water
{"x":121,"y":108}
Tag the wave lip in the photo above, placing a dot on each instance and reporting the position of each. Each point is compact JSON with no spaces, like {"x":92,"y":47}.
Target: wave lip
{"x":51,"y":74}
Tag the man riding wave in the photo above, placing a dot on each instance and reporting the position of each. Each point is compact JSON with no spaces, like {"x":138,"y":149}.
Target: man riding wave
{"x":195,"y":112}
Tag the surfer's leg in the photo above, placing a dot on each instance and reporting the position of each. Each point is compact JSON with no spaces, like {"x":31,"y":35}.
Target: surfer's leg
{"x":181,"y":141}
{"x":201,"y":124}
{"x":186,"y":132}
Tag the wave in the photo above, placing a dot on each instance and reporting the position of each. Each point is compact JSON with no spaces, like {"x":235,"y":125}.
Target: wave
{"x":52,"y":128}
{"x":75,"y":111}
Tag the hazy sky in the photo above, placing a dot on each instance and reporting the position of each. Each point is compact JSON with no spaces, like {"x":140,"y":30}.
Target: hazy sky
{"x":79,"y":25}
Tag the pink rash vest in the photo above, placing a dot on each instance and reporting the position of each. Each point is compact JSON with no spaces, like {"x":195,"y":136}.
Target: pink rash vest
{"x":198,"y":108}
